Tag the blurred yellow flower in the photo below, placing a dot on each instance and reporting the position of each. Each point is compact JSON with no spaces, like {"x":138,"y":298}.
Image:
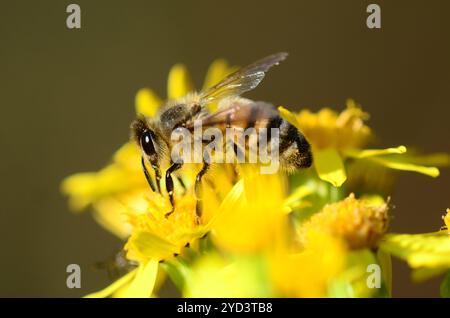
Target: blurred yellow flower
{"x":329,"y":129}
{"x":427,"y":254}
{"x":325,"y":263}
{"x":214,"y":276}
{"x":359,"y":223}
{"x":309,"y":272}
{"x":251,"y":215}
{"x":335,"y":137}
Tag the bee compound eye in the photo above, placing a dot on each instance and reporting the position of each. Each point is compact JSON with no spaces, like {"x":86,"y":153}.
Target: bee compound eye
{"x":147,"y":143}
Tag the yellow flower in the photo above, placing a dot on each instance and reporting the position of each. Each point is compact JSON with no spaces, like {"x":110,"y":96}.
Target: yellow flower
{"x":335,"y":137}
{"x":308,"y":273}
{"x":121,"y":186}
{"x":157,"y":237}
{"x":139,"y":283}
{"x":359,"y":223}
{"x":111,"y":191}
{"x":326,"y":262}
{"x":427,"y":254}
{"x":247,"y":242}
{"x":252,"y":214}
{"x":213,"y":275}
{"x":328,"y":129}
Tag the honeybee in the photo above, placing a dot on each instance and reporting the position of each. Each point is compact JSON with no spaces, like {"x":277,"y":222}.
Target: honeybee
{"x":153,"y":136}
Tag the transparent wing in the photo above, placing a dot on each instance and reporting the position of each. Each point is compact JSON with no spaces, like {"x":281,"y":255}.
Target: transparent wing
{"x":239,"y":115}
{"x":243,"y":80}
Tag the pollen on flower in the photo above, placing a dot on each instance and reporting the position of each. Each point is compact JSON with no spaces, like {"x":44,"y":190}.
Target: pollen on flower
{"x":327,"y":128}
{"x":156,"y":236}
{"x":359,"y":223}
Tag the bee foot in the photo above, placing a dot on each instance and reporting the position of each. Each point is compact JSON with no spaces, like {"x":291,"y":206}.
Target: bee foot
{"x":168,"y":213}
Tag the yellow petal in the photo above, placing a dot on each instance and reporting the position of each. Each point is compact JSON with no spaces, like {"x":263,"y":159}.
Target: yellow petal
{"x":114,"y":286}
{"x":299,"y":193}
{"x":149,"y":246}
{"x":397,"y":165}
{"x":147,"y":102}
{"x":160,"y":279}
{"x":120,"y":292}
{"x":230,"y":202}
{"x":420,"y":250}
{"x":291,"y":201}
{"x":289,"y":116}
{"x":329,"y":166}
{"x":358,"y":153}
{"x":127,"y":156}
{"x":250,"y":218}
{"x":439,"y":159}
{"x":144,"y":281}
{"x":307,"y":274}
{"x":86,"y":188}
{"x":213,"y":276}
{"x":297,"y":205}
{"x":422,"y":274}
{"x":179,"y":82}
{"x":109,"y":213}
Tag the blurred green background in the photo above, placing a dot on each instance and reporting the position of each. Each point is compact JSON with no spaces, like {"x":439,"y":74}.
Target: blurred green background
{"x":67,"y":100}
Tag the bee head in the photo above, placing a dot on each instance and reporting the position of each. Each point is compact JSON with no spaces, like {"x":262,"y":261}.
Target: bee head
{"x":147,"y":140}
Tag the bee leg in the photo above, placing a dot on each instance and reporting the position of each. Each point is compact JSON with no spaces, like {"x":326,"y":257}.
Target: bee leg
{"x":147,"y":175}
{"x":235,"y":171}
{"x":157,"y":176}
{"x":181,"y":182}
{"x":169,"y":184}
{"x":198,"y":183}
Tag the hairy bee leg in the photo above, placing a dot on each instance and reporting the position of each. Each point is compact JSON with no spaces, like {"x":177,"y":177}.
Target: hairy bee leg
{"x":157,"y":176}
{"x":235,"y":172}
{"x":180,"y":180}
{"x":198,"y":183}
{"x":169,"y":184}
{"x":147,"y":175}
{"x":235,"y":169}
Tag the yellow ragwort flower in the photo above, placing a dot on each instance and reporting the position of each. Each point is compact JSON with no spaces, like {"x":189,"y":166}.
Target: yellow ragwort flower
{"x":212,"y":275}
{"x":334,"y":137}
{"x":252,"y":214}
{"x":359,"y":223}
{"x":329,"y":129}
{"x":157,"y":237}
{"x":428,"y":254}
{"x":309,"y":272}
{"x":335,"y":249}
